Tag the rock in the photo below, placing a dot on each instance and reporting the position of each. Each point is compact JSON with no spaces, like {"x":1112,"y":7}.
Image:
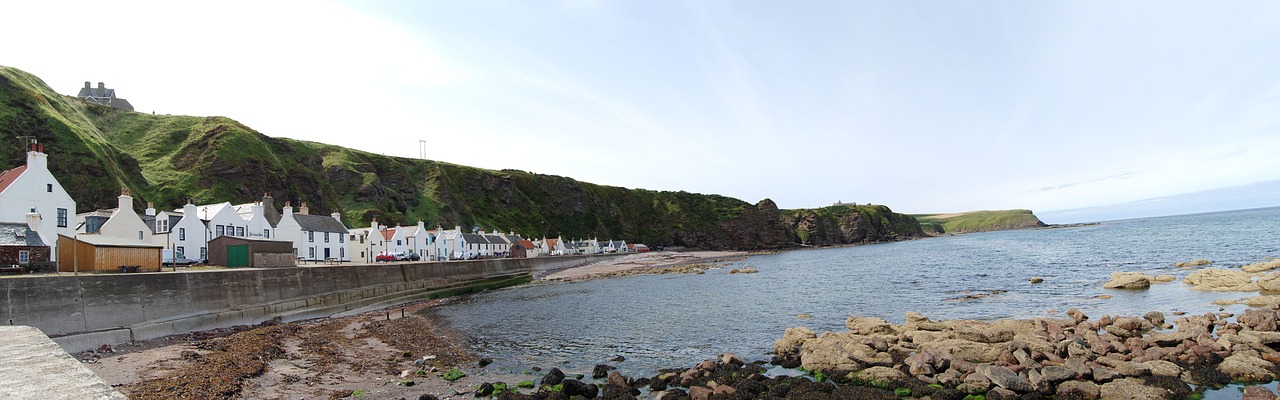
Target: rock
{"x":428,"y":397}
{"x":600,"y":371}
{"x":1258,"y":393}
{"x":1001,"y":394}
{"x":1132,"y":389}
{"x":1057,"y":373}
{"x":1163,"y":368}
{"x":618,"y":359}
{"x":791,"y":341}
{"x":1266,"y":300}
{"x":1195,"y":263}
{"x":673,"y":394}
{"x":747,"y":270}
{"x":1221,"y":280}
{"x":1156,"y":318}
{"x":1036,"y":279}
{"x":484,"y":362}
{"x":485,"y":390}
{"x":1258,"y":320}
{"x":1164,"y":278}
{"x":974,"y":383}
{"x":984,"y":334}
{"x":732,"y":359}
{"x":700,"y":393}
{"x":881,"y":374}
{"x":1005,"y":378}
{"x":616,"y":379}
{"x":1248,"y":368}
{"x":1104,"y":374}
{"x":574,"y":387}
{"x":1084,"y":390}
{"x":553,"y":377}
{"x":869,"y":326}
{"x":1261,"y":266}
{"x":1077,"y":315}
{"x":611,"y":392}
{"x":1128,"y":280}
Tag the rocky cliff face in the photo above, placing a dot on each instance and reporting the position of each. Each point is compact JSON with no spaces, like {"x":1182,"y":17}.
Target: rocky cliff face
{"x":94,"y":151}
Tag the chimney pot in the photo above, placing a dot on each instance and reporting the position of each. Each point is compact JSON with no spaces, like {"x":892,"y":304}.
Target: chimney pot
{"x":101,"y":85}
{"x":88,"y":85}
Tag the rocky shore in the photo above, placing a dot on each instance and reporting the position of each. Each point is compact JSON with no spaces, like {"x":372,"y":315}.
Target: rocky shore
{"x":693,"y":262}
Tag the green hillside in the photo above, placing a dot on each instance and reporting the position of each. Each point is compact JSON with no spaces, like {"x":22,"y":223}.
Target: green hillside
{"x":979,"y":221}
{"x":94,"y":151}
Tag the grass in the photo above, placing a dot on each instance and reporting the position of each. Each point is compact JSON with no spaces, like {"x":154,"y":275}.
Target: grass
{"x":980,"y":221}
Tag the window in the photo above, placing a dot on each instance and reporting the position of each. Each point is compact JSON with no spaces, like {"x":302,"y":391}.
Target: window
{"x":326,"y":237}
{"x":162,"y":226}
{"x":24,"y":257}
{"x":397,"y":242}
{"x":139,"y":235}
{"x":240,"y":231}
{"x":312,"y":252}
{"x":266,"y":233}
{"x":342,"y":252}
{"x":62,"y":218}
{"x":341,"y":237}
{"x":295,"y":251}
{"x":182,"y":233}
{"x":204,"y":253}
{"x":311,"y":236}
{"x":182,"y":251}
{"x":217,"y":230}
{"x":48,"y":187}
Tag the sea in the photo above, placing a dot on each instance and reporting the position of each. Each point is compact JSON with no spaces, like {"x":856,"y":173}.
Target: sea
{"x":670,"y":321}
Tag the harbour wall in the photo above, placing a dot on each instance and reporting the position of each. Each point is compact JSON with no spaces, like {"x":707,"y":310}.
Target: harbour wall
{"x":84,"y":311}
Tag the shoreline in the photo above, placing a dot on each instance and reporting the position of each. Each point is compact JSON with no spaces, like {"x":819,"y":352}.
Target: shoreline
{"x":637,"y":262}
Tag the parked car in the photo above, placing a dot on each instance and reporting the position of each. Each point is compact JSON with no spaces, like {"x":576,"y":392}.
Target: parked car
{"x":408,"y":256}
{"x":386,"y":257}
{"x":171,"y":257}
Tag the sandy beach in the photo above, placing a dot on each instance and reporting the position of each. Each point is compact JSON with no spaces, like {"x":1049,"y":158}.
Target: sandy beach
{"x":643,"y":260}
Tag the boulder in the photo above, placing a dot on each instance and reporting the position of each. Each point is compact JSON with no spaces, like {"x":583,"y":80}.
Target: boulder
{"x":1248,"y":368}
{"x":1036,"y":279}
{"x":1005,"y":378}
{"x":869,"y":326}
{"x":1261,"y":266}
{"x":1084,"y":390}
{"x":974,"y":383}
{"x":600,"y":371}
{"x":1156,"y":318}
{"x":1258,"y":393}
{"x":881,"y":374}
{"x":1266,"y":300}
{"x":553,"y":377}
{"x":1221,"y":280}
{"x":965,"y":350}
{"x":574,"y":387}
{"x":1132,"y":389}
{"x":791,"y":341}
{"x":1128,"y":280}
{"x":1163,"y":368}
{"x":1163,"y":278}
{"x":1258,"y":320}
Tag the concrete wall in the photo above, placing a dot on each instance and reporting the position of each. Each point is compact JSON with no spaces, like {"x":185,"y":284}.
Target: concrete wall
{"x":84,"y":311}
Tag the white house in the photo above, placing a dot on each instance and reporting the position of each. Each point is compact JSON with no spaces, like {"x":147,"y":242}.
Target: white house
{"x":32,"y":187}
{"x":448,"y":244}
{"x":255,"y":220}
{"x":393,"y":240}
{"x":124,"y":221}
{"x":418,"y":240}
{"x":188,"y":235}
{"x":314,"y":237}
{"x":360,"y":243}
{"x":613,"y":246}
{"x":222,"y":220}
{"x":551,"y":246}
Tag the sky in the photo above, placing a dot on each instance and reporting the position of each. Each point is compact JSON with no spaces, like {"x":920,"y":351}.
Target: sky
{"x":925,"y":107}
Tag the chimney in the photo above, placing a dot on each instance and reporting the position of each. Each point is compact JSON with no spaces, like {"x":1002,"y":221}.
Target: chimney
{"x":336,"y":215}
{"x":374,"y":225}
{"x":88,"y":85}
{"x":36,"y":157}
{"x":33,"y":220}
{"x":101,"y":85}
{"x":125,"y":201}
{"x":268,"y":202}
{"x":151,"y":209}
{"x":303,"y":209}
{"x":189,"y":209}
{"x":288,"y":209}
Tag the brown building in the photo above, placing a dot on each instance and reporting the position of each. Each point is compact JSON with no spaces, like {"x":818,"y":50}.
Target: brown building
{"x":248,"y":252}
{"x":21,"y":246}
{"x":98,"y":253}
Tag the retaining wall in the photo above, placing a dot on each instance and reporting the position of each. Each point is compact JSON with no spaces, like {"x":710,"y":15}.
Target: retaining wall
{"x":81,"y":312}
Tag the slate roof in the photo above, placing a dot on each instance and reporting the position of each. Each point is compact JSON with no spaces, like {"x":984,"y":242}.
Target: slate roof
{"x":9,"y":176}
{"x":474,"y":238}
{"x":320,"y":223}
{"x":15,"y":234}
{"x":150,"y":221}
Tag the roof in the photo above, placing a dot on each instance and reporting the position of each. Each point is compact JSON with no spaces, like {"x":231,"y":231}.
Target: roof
{"x":552,"y":242}
{"x":474,"y":238}
{"x":111,"y":241}
{"x":388,"y":233}
{"x":16,"y":234}
{"x":525,"y":244}
{"x":9,"y":176}
{"x":207,"y":211}
{"x":319,"y":223}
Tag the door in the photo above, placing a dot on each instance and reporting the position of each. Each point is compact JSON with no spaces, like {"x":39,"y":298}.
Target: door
{"x":238,"y":255}
{"x":326,"y":253}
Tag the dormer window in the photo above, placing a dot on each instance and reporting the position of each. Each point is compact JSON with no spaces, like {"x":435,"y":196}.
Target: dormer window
{"x":48,"y":187}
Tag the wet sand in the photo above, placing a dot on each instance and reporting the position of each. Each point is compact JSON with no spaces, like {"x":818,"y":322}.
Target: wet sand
{"x":642,"y":260}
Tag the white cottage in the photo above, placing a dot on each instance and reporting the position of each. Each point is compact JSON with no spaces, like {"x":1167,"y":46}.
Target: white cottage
{"x":222,"y":220}
{"x":448,"y":244}
{"x":124,"y":222}
{"x":418,"y":240}
{"x":314,"y":237}
{"x":256,"y":224}
{"x":32,"y":188}
{"x":188,"y":234}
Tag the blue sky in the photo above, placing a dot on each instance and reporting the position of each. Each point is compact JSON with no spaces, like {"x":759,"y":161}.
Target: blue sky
{"x":925,"y":107}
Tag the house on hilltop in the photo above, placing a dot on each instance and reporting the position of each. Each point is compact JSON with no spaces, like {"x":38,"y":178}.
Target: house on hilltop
{"x":103,"y":97}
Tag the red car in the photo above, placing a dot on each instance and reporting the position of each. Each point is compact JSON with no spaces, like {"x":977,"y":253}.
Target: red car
{"x":384,"y":257}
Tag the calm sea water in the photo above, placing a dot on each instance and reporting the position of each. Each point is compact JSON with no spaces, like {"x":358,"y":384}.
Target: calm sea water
{"x":662,"y":321}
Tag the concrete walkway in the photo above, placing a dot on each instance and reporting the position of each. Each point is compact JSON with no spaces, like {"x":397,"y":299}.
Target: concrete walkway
{"x":34,"y":367}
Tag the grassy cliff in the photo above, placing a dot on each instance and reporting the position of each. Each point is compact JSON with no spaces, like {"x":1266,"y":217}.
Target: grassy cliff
{"x":95,"y":151}
{"x":979,"y":221}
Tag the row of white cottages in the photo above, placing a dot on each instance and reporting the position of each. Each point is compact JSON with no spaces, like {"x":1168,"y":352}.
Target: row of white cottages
{"x":30,"y":195}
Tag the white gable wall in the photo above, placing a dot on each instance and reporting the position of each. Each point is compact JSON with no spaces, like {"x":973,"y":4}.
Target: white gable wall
{"x":37,"y":188}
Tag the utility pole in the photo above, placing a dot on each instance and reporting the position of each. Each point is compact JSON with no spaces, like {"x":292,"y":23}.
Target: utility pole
{"x":422,"y":149}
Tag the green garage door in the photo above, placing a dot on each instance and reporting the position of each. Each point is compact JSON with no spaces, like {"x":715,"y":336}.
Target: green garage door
{"x":238,"y":255}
